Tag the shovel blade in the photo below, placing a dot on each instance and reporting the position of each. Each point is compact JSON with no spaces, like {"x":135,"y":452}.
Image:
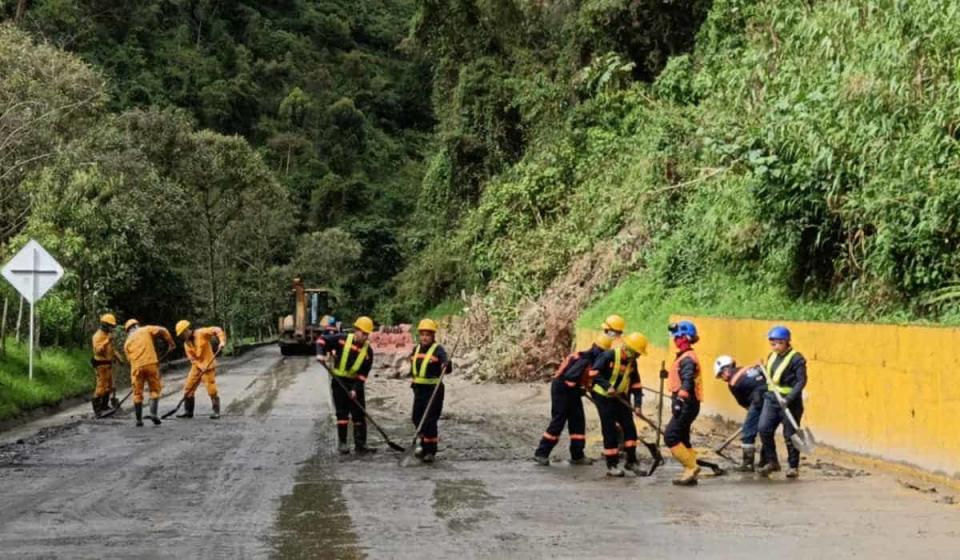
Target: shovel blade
{"x":801,"y":444}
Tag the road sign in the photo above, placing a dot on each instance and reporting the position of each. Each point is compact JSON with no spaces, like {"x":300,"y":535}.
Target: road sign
{"x":32,"y":272}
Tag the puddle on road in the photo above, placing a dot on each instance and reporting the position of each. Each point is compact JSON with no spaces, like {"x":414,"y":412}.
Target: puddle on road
{"x":462,"y":503}
{"x":313,"y":521}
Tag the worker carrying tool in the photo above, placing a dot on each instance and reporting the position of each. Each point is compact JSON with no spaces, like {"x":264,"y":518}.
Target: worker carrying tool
{"x":613,"y":328}
{"x":144,"y":365}
{"x":352,"y":359}
{"x":614,"y":375}
{"x":566,"y":407}
{"x":428,"y":361}
{"x":787,"y":370}
{"x":104,"y":355}
{"x":748,"y":385}
{"x":198,"y":346}
{"x":685,"y":385}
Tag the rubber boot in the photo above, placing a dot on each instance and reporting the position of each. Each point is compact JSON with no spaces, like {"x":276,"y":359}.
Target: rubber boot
{"x":632,"y":464}
{"x":749,"y":453}
{"x":188,"y":404}
{"x":771,"y":467}
{"x":688,"y":458}
{"x":113,"y":400}
{"x":360,"y":440}
{"x":154,"y":415}
{"x":583,"y":460}
{"x":541,"y":460}
{"x":215,"y":403}
{"x":429,"y":458}
{"x":793,"y":472}
{"x":613,"y":466}
{"x":138,"y":412}
{"x":95,"y":402}
{"x":342,"y":446}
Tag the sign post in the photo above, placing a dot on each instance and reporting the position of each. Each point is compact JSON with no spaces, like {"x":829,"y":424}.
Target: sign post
{"x":32,"y":272}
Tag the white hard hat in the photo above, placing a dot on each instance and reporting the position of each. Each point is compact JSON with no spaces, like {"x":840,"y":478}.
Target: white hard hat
{"x":722,"y":362}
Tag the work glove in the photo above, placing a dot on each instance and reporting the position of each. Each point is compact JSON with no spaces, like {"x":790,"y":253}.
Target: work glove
{"x":676,"y":405}
{"x":353,"y":395}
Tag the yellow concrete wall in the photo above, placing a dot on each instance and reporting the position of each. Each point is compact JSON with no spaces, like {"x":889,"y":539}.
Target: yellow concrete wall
{"x":882,"y":390}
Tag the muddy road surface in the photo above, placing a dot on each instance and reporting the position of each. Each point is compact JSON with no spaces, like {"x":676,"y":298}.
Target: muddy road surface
{"x":264,"y":482}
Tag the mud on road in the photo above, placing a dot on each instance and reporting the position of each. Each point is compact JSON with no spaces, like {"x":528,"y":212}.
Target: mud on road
{"x":263,"y":482}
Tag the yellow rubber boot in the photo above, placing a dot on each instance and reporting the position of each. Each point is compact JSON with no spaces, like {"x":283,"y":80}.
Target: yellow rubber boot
{"x":688,"y":458}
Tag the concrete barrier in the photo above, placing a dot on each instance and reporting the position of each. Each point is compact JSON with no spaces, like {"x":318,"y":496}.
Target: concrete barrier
{"x":886,"y":391}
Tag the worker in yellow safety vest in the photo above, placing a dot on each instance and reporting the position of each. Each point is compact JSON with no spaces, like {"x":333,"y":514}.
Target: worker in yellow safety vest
{"x":428,"y":361}
{"x":198,"y":346}
{"x":104,"y":355}
{"x":352,"y":359}
{"x":787,"y":375}
{"x":144,"y":365}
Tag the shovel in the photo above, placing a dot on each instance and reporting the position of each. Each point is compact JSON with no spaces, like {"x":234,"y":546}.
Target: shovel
{"x":170,"y":413}
{"x":719,"y":449}
{"x":802,"y":438}
{"x":389,"y":442}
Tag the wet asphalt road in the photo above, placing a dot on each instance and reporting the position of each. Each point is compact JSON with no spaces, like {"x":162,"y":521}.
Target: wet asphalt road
{"x":263,"y":483}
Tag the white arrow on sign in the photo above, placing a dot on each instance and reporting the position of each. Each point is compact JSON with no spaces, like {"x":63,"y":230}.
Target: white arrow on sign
{"x":32,"y":272}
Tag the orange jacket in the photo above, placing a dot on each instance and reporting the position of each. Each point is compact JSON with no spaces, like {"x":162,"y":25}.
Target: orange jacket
{"x":103,"y":347}
{"x":139,"y":345}
{"x":198,"y":348}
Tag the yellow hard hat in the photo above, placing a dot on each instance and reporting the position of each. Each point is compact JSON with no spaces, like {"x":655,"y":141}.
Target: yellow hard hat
{"x":614,"y":323}
{"x":636,"y":342}
{"x":603,"y":341}
{"x":182,"y":326}
{"x":364,"y":324}
{"x":108,"y":319}
{"x":130,"y":323}
{"x":428,"y":325}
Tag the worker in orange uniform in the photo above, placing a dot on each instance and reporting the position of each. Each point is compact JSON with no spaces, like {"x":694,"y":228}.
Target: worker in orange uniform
{"x":428,"y":361}
{"x":614,"y":375}
{"x":352,"y":359}
{"x":566,"y":408}
{"x":685,"y":385}
{"x":144,"y":365}
{"x":613,"y":327}
{"x":104,"y":355}
{"x":198,"y":345}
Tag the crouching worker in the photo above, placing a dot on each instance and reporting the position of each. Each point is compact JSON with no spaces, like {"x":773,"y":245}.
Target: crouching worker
{"x":748,"y":385}
{"x":614,"y":375}
{"x":566,"y":406}
{"x":198,"y":346}
{"x":787,"y":371}
{"x":428,"y":363}
{"x":352,"y":359}
{"x":685,"y":385}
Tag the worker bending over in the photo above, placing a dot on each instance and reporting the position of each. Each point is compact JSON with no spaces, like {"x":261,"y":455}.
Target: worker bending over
{"x":144,"y":365}
{"x":566,"y":406}
{"x":352,"y":358}
{"x":104,"y":354}
{"x":198,"y":346}
{"x":787,"y":372}
{"x":614,"y":375}
{"x":428,"y":361}
{"x":685,"y":386}
{"x":613,"y":328}
{"x":748,"y":385}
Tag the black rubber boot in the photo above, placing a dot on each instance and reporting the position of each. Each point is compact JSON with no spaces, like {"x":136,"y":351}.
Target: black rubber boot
{"x":113,"y":400}
{"x":97,"y":407}
{"x":188,"y":404}
{"x":154,"y":416}
{"x":771,"y":467}
{"x":138,"y":412}
{"x":360,"y":440}
{"x":215,"y":403}
{"x":749,"y":453}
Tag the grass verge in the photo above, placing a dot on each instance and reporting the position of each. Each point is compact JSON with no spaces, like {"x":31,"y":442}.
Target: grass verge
{"x":57,"y":374}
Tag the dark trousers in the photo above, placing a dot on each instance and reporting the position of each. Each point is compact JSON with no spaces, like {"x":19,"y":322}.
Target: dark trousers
{"x":614,"y":413}
{"x":566,"y":409}
{"x":429,"y":434}
{"x":751,"y":423}
{"x":678,"y":429}
{"x":771,"y":417}
{"x":347,"y":410}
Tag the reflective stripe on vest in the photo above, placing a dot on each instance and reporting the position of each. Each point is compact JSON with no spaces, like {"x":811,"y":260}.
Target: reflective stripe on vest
{"x":420,"y":374}
{"x":774,"y":383}
{"x":619,"y":378}
{"x":675,"y":384}
{"x":342,"y":370}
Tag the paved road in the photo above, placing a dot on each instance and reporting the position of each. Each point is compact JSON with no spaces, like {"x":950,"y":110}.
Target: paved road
{"x":263,"y":483}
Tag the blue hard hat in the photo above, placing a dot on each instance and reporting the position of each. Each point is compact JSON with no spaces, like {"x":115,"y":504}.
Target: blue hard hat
{"x":779,"y":332}
{"x":332,"y":321}
{"x":683,"y":328}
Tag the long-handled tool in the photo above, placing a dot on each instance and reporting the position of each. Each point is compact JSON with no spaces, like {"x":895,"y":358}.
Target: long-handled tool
{"x":389,"y":442}
{"x":183,"y":399}
{"x":717,"y":469}
{"x":802,"y":438}
{"x":719,"y":449}
{"x":663,"y":378}
{"x":652,"y":448}
{"x":114,"y":410}
{"x":426,"y":412}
